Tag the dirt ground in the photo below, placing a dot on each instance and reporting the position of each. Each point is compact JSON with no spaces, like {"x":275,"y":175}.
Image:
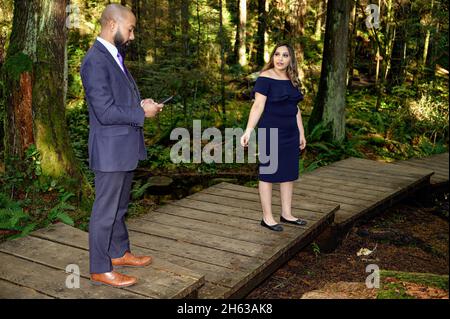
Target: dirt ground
{"x":407,"y":237}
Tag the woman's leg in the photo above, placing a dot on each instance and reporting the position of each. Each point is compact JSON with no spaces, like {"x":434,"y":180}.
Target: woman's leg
{"x":286,"y":190}
{"x":265,"y":194}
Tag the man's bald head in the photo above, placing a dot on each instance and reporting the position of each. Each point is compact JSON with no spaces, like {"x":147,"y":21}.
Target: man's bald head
{"x":118,"y":24}
{"x":115,"y":12}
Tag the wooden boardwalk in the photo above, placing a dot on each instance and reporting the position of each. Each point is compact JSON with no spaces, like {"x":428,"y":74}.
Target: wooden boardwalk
{"x":361,"y":186}
{"x":210,"y":244}
{"x":437,"y":163}
{"x":34,"y":266}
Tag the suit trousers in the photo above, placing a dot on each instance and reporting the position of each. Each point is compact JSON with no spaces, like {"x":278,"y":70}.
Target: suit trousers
{"x":108,"y":234}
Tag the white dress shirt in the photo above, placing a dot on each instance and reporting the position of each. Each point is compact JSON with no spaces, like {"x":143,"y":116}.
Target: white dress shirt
{"x":111,"y":49}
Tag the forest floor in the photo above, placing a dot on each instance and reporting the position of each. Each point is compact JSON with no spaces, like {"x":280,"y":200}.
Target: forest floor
{"x":409,"y":244}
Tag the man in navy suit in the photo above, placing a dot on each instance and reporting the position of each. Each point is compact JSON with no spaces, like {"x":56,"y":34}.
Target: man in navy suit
{"x":116,"y":144}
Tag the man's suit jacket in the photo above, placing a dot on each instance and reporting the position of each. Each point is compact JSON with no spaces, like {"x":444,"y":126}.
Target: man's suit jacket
{"x":116,"y":141}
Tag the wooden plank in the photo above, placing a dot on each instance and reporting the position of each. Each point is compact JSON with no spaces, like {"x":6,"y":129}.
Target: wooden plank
{"x":386,"y":182}
{"x":248,"y":193}
{"x":375,"y":173}
{"x":9,"y":290}
{"x":213,"y":291}
{"x":347,"y":192}
{"x":244,"y":224}
{"x":236,"y":207}
{"x":280,"y":257}
{"x":162,"y":260}
{"x":319,"y":199}
{"x":237,"y":203}
{"x":431,"y":166}
{"x":212,"y":273}
{"x":168,"y":215}
{"x":52,"y":282}
{"x":256,"y":268}
{"x":376,"y":167}
{"x":243,"y":248}
{"x":70,"y":236}
{"x":429,"y":162}
{"x":152,"y":283}
{"x":234,"y":214}
{"x":192,"y":251}
{"x":343,"y":178}
{"x":438,"y":174}
{"x":437,"y":177}
{"x":338,"y":182}
{"x":318,"y":196}
{"x":297,"y":202}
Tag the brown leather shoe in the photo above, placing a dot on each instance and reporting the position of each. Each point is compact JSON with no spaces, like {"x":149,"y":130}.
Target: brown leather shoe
{"x":130,"y":260}
{"x":113,"y":279}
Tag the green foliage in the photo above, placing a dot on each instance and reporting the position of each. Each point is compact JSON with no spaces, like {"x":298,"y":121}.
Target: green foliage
{"x":78,"y":122}
{"x":16,"y":65}
{"x":395,"y":290}
{"x":315,"y":249}
{"x":24,"y":182}
{"x":12,"y":217}
{"x":139,"y":190}
{"x":58,"y":212}
{"x":22,"y":175}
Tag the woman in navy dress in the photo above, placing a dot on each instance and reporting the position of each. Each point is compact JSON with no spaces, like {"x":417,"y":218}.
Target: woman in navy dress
{"x":275,"y":109}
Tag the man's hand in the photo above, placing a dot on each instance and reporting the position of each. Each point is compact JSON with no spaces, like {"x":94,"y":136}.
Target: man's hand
{"x":151,"y":108}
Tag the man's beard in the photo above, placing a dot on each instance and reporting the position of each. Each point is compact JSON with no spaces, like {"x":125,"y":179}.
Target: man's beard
{"x":121,"y":44}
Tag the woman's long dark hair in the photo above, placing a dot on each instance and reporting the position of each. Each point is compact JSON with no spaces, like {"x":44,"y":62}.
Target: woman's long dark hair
{"x":292,"y":69}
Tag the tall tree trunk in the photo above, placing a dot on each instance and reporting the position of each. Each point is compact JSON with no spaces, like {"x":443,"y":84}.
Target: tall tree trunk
{"x":36,"y":83}
{"x":351,"y":48}
{"x":173,"y":20}
{"x":428,"y":21}
{"x":397,"y":75}
{"x":322,"y":4}
{"x":390,"y":36}
{"x":222,"y":63}
{"x":135,"y":52}
{"x":185,"y":52}
{"x":330,"y":102}
{"x":296,"y":21}
{"x":241,"y":29}
{"x":260,"y":41}
{"x":266,"y":37}
{"x":433,"y":55}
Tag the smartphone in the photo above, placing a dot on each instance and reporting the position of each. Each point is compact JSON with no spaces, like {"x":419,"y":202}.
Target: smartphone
{"x":166,"y":100}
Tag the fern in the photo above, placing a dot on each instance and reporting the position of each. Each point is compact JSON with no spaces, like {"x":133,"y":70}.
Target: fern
{"x":138,"y":190}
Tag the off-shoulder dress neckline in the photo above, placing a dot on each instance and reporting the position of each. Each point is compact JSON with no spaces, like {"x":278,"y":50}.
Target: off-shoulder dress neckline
{"x":266,"y":77}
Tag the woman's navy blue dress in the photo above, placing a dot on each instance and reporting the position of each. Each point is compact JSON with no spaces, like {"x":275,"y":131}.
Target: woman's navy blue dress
{"x":280,"y":112}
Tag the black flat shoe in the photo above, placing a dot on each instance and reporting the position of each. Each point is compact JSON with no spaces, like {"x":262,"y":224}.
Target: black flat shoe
{"x":276,"y":227}
{"x":298,"y":222}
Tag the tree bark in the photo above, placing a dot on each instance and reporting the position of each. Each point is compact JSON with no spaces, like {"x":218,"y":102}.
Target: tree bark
{"x":330,"y":102}
{"x":241,"y":29}
{"x":222,"y":63}
{"x":260,"y":40}
{"x":36,"y":85}
{"x":296,"y":21}
{"x":397,"y":73}
{"x":351,"y":47}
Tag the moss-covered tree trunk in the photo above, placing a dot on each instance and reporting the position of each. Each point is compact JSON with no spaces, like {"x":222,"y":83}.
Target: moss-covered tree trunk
{"x":329,"y":106}
{"x":35,"y":74}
